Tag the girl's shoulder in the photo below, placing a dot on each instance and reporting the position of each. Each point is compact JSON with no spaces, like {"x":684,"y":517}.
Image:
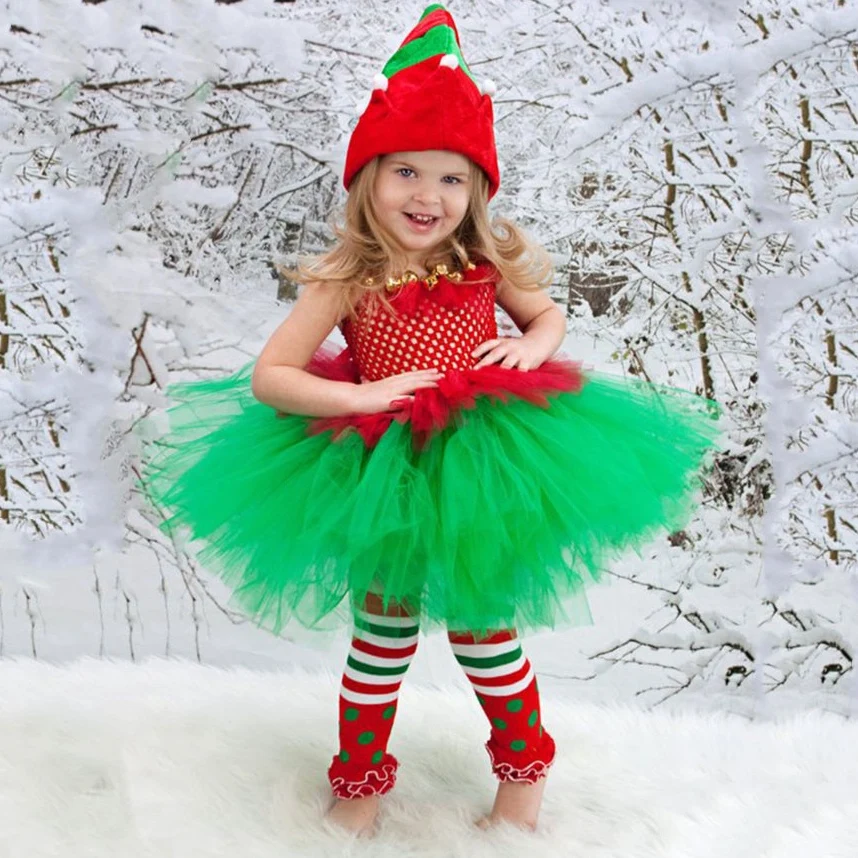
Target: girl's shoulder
{"x":324,"y":298}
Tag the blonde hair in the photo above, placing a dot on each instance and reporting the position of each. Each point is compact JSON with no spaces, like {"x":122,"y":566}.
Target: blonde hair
{"x":364,"y":249}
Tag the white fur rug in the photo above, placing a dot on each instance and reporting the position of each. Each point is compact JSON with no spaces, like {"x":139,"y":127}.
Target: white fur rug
{"x":169,"y":758}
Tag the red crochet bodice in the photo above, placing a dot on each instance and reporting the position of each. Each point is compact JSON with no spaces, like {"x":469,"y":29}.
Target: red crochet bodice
{"x":437,"y":327}
{"x":433,"y":328}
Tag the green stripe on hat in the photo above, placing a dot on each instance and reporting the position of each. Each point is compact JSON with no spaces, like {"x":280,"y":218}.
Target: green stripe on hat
{"x":438,"y":41}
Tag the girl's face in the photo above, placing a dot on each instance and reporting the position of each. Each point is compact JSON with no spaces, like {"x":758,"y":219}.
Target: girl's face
{"x":421,"y":197}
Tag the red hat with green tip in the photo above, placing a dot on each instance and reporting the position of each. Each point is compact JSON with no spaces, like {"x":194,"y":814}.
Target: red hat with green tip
{"x":427,"y":98}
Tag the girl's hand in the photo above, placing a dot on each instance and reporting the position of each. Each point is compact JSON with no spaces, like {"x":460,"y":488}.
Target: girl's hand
{"x":389,"y":394}
{"x":511,"y":352}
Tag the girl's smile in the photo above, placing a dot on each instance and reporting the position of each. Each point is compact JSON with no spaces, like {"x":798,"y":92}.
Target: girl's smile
{"x":421,"y":223}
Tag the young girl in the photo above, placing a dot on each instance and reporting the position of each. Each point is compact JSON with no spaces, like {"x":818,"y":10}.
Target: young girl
{"x":432,"y":473}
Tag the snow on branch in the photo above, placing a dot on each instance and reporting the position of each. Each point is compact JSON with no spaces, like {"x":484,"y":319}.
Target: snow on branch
{"x":692,"y":168}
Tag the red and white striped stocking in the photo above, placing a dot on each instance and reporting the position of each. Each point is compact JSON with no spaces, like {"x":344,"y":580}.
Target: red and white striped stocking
{"x":381,"y":651}
{"x":519,"y":747}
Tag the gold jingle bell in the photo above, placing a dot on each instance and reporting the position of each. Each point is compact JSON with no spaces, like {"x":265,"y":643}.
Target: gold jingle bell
{"x":431,"y":279}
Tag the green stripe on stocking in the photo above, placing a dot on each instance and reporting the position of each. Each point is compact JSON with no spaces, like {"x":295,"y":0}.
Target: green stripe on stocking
{"x":374,"y":669}
{"x":408,"y":631}
{"x":493,"y":661}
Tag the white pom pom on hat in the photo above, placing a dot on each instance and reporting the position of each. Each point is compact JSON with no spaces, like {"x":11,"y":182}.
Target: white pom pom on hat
{"x":488,"y":87}
{"x":450,"y":61}
{"x":379,"y":82}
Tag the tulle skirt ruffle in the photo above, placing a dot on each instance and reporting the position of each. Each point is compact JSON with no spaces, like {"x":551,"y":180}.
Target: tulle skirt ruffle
{"x":498,"y":513}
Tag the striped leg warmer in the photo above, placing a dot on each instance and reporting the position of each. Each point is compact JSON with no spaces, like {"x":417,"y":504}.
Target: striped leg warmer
{"x":519,"y":747}
{"x":381,"y":650}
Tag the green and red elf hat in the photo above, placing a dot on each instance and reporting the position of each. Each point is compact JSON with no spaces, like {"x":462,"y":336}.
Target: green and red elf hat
{"x":427,"y":98}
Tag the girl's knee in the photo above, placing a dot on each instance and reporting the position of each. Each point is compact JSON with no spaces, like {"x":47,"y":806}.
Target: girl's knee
{"x":490,"y":636}
{"x":374,"y":604}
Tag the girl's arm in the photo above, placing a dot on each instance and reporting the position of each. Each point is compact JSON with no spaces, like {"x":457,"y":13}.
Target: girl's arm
{"x":279,"y":379}
{"x":541,"y":322}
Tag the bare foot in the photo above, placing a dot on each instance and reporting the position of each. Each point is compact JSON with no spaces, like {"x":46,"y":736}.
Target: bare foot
{"x":355,"y":814}
{"x":516,"y":803}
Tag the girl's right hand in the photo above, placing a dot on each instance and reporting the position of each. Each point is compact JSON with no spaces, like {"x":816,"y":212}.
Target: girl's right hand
{"x":388,"y":394}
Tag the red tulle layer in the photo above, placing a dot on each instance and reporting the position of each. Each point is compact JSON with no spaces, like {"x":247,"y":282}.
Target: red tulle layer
{"x":432,"y":409}
{"x":445,"y":293}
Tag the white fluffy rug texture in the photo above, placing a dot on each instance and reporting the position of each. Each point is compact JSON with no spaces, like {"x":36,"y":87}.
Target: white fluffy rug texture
{"x":169,"y":758}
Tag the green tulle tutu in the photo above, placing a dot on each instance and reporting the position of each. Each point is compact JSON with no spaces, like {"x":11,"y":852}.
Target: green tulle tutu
{"x":501,"y":519}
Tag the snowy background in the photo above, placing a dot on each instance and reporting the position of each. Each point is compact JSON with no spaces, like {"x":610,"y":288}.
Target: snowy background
{"x":692,"y":167}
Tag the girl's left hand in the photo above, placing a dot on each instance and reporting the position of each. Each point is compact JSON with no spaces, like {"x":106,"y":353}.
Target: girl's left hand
{"x":512,"y":352}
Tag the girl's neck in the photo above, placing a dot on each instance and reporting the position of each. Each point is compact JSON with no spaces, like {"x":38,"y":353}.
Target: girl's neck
{"x":424,"y":266}
{"x":418,"y":267}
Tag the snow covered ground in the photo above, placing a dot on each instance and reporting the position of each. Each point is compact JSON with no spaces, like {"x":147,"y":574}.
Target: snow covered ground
{"x":104,"y":758}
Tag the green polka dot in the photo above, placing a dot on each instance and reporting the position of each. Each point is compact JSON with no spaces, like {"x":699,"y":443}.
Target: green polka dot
{"x":378,"y":756}
{"x":481,"y":699}
{"x":518,"y":745}
{"x":515,"y":705}
{"x":388,"y":713}
{"x":499,"y":723}
{"x":344,"y":756}
{"x":540,"y":731}
{"x":534,"y":717}
{"x":366,"y":738}
{"x":351,"y":714}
